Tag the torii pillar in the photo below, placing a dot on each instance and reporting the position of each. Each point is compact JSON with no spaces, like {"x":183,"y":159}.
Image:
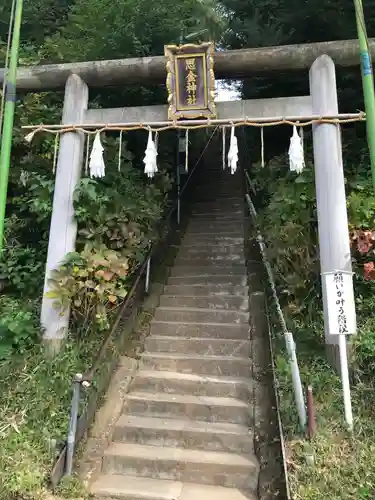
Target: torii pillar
{"x":63,"y":230}
{"x":334,"y":244}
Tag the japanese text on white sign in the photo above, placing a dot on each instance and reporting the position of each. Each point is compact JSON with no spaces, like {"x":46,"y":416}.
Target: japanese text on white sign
{"x":340,"y":303}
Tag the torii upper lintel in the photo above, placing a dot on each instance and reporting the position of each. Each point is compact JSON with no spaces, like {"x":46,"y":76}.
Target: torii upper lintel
{"x":229,"y":64}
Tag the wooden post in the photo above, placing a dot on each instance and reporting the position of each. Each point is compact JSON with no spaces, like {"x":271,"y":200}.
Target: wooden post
{"x":63,"y":229}
{"x":334,"y":245}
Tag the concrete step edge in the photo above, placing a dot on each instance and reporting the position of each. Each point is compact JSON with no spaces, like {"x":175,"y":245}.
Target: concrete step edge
{"x":208,"y":296}
{"x":199,"y":272}
{"x":192,"y":377}
{"x":160,"y":453}
{"x":123,"y":487}
{"x":206,"y":291}
{"x":194,"y":339}
{"x":239,"y":326}
{"x":200,"y":310}
{"x":194,"y":357}
{"x":182,"y":425}
{"x":187,"y":399}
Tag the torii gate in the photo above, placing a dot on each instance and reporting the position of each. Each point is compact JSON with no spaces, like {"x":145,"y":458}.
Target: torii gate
{"x":322,"y":101}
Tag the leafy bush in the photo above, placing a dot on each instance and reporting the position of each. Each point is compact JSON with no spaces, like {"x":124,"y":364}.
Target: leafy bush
{"x":22,"y":262}
{"x":92,"y":282}
{"x":288,"y":222}
{"x":18,"y":326}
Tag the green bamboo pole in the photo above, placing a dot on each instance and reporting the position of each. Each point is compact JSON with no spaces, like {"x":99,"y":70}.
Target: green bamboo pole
{"x":367,"y":83}
{"x":7,"y":129}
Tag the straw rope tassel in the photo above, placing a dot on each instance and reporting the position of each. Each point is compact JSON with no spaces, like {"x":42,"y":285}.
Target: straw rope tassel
{"x":233,"y":151}
{"x":120,"y":152}
{"x":55,"y":151}
{"x":262,"y":147}
{"x":296,"y":156}
{"x":87,"y":156}
{"x":96,"y":165}
{"x":150,"y":157}
{"x":224,"y":146}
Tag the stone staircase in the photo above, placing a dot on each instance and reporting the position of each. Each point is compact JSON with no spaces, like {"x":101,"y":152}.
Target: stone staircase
{"x":186,"y":431}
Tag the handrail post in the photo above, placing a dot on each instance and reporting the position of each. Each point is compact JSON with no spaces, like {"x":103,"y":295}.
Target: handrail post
{"x":148,"y":269}
{"x":178,"y":195}
{"x":296,"y":379}
{"x":178,"y":177}
{"x":345,"y":382}
{"x":73,"y":424}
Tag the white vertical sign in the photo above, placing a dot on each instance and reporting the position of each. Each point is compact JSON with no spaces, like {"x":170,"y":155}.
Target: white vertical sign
{"x":340,"y":303}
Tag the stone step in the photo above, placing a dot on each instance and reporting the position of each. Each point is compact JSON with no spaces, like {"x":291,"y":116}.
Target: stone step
{"x":212,"y":246}
{"x":227,"y":366}
{"x":210,"y":409}
{"x":209,"y":269}
{"x":209,"y":259}
{"x":207,"y":290}
{"x":206,"y":279}
{"x":207,"y":467}
{"x":200,"y":330}
{"x":197,"y":315}
{"x":209,"y":232}
{"x":236,"y":217}
{"x":217,"y":208}
{"x":215,"y":347}
{"x":214,"y":215}
{"x":217,"y":218}
{"x":211,"y":241}
{"x":228,"y":202}
{"x":218,"y":180}
{"x":192,"y":385}
{"x":216,"y":302}
{"x":211,"y":250}
{"x":217,"y":213}
{"x":214,"y":182}
{"x":214,"y":225}
{"x":212,"y":206}
{"x":181,"y":433}
{"x":121,"y":487}
{"x":218,"y":196}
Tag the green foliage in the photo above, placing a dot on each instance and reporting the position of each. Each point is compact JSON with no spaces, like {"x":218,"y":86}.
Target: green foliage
{"x":21,"y":263}
{"x":361,"y":205}
{"x":18,"y":326}
{"x":121,"y":211}
{"x":92,"y":281}
{"x":52,"y":12}
{"x":289,"y":223}
{"x":129,"y":28}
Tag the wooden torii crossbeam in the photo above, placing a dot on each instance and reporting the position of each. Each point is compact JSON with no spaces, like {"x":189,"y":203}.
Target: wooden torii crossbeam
{"x":229,"y":64}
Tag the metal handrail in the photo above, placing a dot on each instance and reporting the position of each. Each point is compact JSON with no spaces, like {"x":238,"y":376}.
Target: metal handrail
{"x":288,"y":336}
